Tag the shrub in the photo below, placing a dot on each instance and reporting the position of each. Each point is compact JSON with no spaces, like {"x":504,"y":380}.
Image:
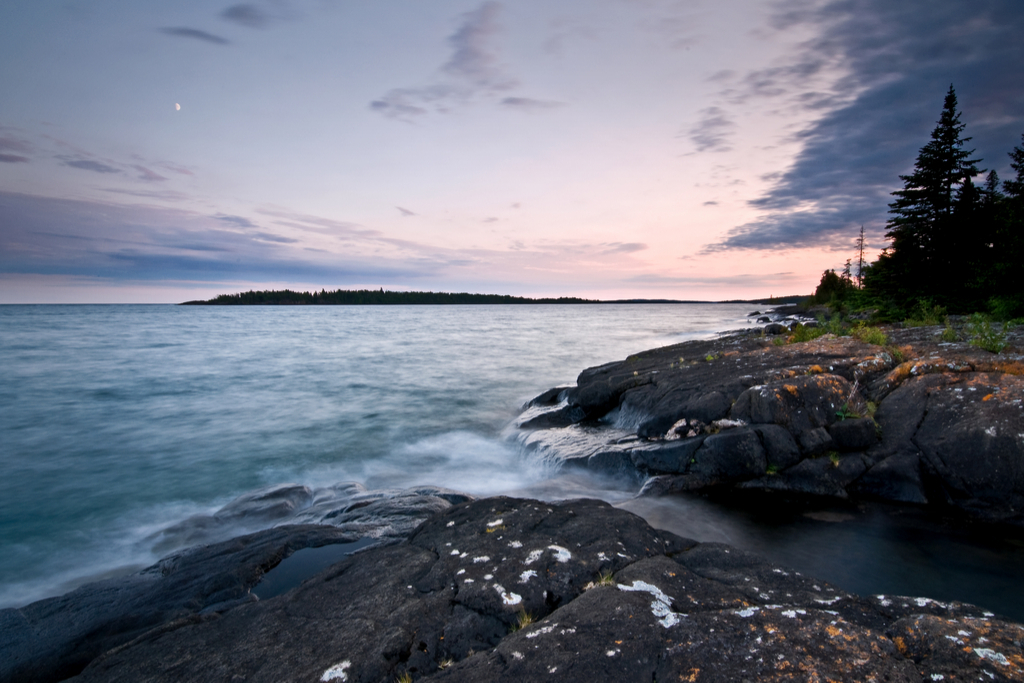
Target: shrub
{"x":870,"y":335}
{"x":802,"y":333}
{"x":949,"y":334}
{"x":925,"y":314}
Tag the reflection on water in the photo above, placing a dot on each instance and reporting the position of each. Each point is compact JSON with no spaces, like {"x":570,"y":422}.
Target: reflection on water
{"x":865,"y":548}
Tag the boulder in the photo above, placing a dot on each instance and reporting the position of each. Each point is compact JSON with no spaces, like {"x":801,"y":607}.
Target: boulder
{"x":798,"y":404}
{"x":780,"y":448}
{"x":732,"y":455}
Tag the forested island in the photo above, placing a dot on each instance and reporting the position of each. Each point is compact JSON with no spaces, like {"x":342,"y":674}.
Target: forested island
{"x":372,"y":297}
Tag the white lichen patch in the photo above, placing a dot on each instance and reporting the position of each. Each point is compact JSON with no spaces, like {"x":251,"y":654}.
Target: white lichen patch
{"x":661,"y":607}
{"x":561,"y":554}
{"x":337,"y":672}
{"x":497,"y":522}
{"x":791,"y":613}
{"x":544,"y":630}
{"x":749,"y":612}
{"x":991,"y":431}
{"x":450,"y":524}
{"x":611,"y":653}
{"x":533,"y":556}
{"x":527,"y":575}
{"x":506,"y":597}
{"x":601,"y":556}
{"x":460,"y":572}
{"x":455,"y":552}
{"x":481,"y":559}
{"x":468,"y":581}
{"x":937,"y":677}
{"x":488,"y":577}
{"x":515,"y":544}
{"x":517,"y":655}
{"x":992,"y":656}
{"x":830,"y":601}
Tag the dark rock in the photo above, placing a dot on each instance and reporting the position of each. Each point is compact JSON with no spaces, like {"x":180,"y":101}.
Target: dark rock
{"x":672,"y":457}
{"x":55,"y":638}
{"x":732,"y":455}
{"x":815,"y":476}
{"x":764,"y":319}
{"x":799,"y":404}
{"x":444,"y":606}
{"x":780,"y":448}
{"x":897,"y":478}
{"x":548,"y":398}
{"x":775,"y":328}
{"x":815,"y":442}
{"x":853,"y":435}
{"x":708,"y":407}
{"x":562,"y":417}
{"x":753,"y":313}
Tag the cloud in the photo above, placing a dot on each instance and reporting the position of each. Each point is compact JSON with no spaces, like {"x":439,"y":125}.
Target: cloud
{"x":405,"y":212}
{"x":712,"y":132}
{"x":89,"y":165}
{"x":473,"y":58}
{"x":12,"y":144}
{"x":898,"y":60}
{"x":529,"y":104}
{"x":473,"y":71}
{"x":196,"y":34}
{"x":622,"y":247}
{"x":247,"y":15}
{"x":12,"y":159}
{"x":235,"y":220}
{"x":148,"y":175}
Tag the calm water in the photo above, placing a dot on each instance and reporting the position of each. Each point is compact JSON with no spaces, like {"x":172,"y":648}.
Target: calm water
{"x":117,"y":421}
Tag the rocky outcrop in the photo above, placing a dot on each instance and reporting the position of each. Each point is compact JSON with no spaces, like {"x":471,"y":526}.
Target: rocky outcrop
{"x":55,"y":638}
{"x":507,"y":589}
{"x":918,"y":421}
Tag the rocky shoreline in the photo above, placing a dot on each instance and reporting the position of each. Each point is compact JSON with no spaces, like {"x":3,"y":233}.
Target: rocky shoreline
{"x":917,"y":421}
{"x":452,"y":588}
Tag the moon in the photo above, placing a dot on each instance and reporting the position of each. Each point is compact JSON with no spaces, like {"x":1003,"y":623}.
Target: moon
{"x":177,"y":107}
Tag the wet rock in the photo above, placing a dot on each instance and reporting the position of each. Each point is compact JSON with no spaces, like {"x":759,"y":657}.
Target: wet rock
{"x":671,"y":457}
{"x":609,"y":599}
{"x":775,"y":328}
{"x":897,"y":479}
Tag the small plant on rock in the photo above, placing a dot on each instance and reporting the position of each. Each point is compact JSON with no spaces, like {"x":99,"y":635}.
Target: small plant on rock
{"x":949,"y":334}
{"x":833,"y":457}
{"x":404,"y":678}
{"x":772,"y":469}
{"x":983,"y":335}
{"x":523,"y":619}
{"x":445,"y":663}
{"x":803,"y":333}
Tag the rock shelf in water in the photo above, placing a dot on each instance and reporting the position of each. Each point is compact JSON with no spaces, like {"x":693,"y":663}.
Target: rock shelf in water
{"x":918,"y":422}
{"x":505,"y":589}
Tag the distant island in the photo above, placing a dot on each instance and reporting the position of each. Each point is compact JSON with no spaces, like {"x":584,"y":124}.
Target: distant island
{"x":382,"y":297}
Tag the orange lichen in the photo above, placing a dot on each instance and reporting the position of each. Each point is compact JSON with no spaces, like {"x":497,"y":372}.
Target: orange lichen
{"x":901,"y":644}
{"x":988,"y":397}
{"x":815,"y":369}
{"x":692,"y":677}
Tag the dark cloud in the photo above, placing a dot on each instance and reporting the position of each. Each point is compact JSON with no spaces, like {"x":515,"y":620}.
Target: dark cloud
{"x":710,"y":203}
{"x":194,"y":33}
{"x":12,"y":144}
{"x":529,"y":104}
{"x":247,"y":15}
{"x":473,"y":57}
{"x":405,"y":212}
{"x":89,"y":165}
{"x":739,"y":280}
{"x":711,"y":133}
{"x":899,"y":58}
{"x":115,"y":242}
{"x":472,"y":72}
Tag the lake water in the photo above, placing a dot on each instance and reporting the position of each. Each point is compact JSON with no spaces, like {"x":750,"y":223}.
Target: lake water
{"x":118,"y":421}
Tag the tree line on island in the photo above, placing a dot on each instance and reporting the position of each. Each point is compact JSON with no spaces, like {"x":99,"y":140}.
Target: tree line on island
{"x":954,"y":246}
{"x":369,"y":297}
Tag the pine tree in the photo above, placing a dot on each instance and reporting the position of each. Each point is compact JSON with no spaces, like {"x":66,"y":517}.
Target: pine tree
{"x":925,"y":245}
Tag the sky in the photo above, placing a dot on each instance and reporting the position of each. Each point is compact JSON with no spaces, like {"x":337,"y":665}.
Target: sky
{"x":699,"y":149}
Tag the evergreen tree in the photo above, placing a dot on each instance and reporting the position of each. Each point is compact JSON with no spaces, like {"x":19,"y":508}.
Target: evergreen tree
{"x":925,"y":245}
